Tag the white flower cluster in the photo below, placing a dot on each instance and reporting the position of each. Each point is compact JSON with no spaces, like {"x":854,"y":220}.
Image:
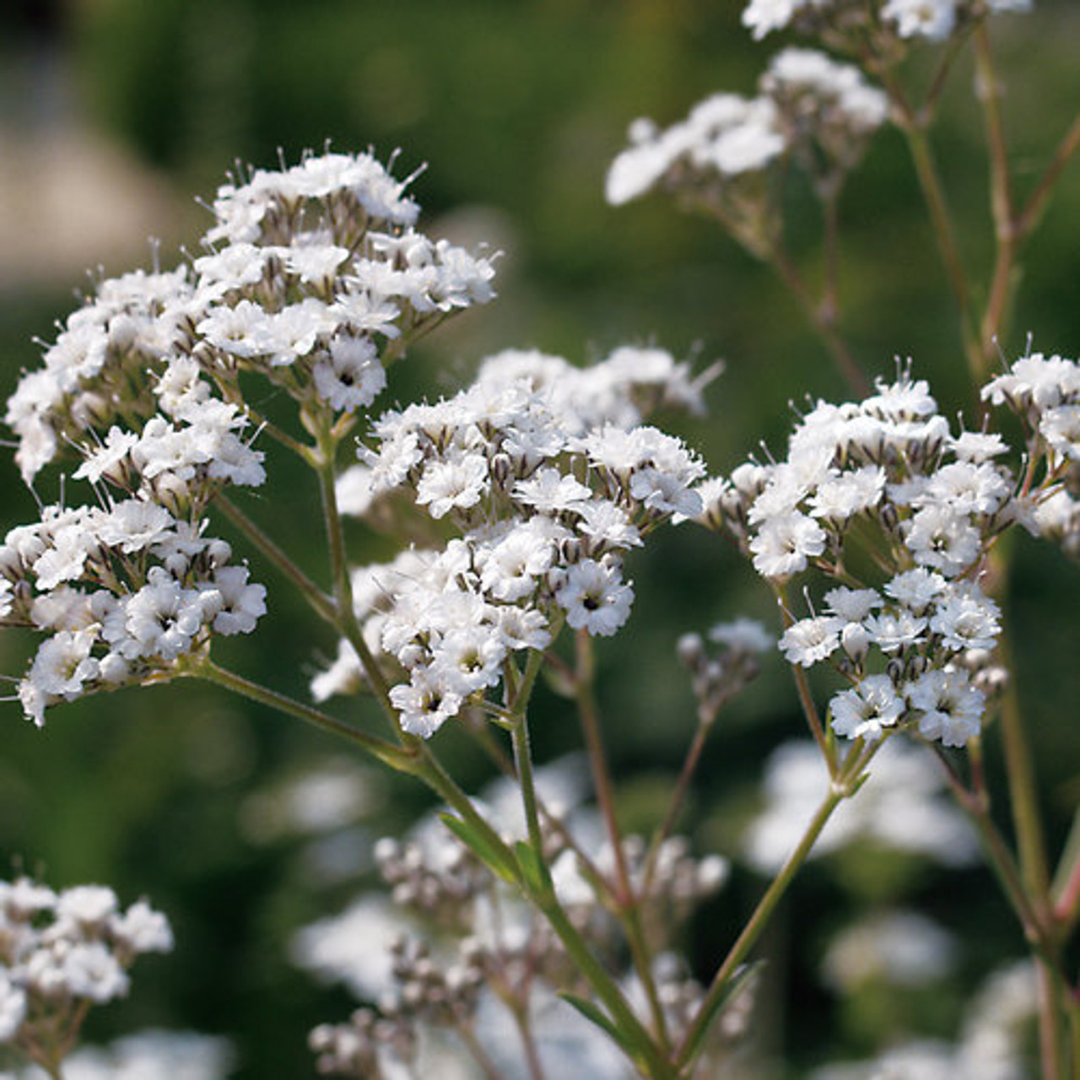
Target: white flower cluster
{"x":310,"y":270}
{"x":1045,"y":393}
{"x":933,"y":20}
{"x":63,"y":952}
{"x":545,"y":491}
{"x":806,"y":102}
{"x":122,"y":591}
{"x":885,"y":477}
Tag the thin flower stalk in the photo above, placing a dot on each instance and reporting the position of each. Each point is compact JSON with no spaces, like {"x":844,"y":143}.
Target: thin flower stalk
{"x":624,"y":896}
{"x":841,"y":787}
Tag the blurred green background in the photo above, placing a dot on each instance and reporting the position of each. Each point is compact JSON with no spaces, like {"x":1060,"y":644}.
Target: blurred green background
{"x":113,"y":113}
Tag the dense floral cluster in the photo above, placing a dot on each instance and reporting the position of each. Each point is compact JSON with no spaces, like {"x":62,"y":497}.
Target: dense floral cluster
{"x":545,"y":491}
{"x":809,"y":107}
{"x":61,"y":953}
{"x":933,"y":20}
{"x":881,"y":497}
{"x":314,"y":277}
{"x":1045,"y":393}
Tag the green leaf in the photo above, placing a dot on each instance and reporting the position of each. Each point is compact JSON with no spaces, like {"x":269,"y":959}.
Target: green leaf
{"x":537,"y":879}
{"x":494,"y":859}
{"x":738,"y":982}
{"x":595,"y":1015}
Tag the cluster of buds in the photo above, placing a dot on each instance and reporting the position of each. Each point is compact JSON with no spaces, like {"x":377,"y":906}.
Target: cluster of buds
{"x":441,"y":885}
{"x":369,"y":1047}
{"x":60,"y":954}
{"x":717,"y":676}
{"x":429,"y":991}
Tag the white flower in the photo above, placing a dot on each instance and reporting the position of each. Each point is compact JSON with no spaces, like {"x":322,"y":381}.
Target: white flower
{"x":763,"y":16}
{"x":809,"y":640}
{"x":594,"y":597}
{"x":783,"y":545}
{"x":62,"y":666}
{"x":893,"y":631}
{"x":240,"y":605}
{"x":848,"y":494}
{"x":951,"y":707}
{"x":549,"y":491}
{"x":424,"y":702}
{"x":89,"y":970}
{"x":932,"y":19}
{"x":966,"y":618}
{"x":353,"y":377}
{"x":87,"y":904}
{"x":142,"y":929}
{"x":916,"y":589}
{"x":511,"y":568}
{"x":852,"y":605}
{"x":134,"y":524}
{"x":868,"y":710}
{"x":941,"y":538}
{"x":458,"y":482}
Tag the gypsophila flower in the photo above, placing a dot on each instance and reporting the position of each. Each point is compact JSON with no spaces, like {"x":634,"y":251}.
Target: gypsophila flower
{"x":60,"y":953}
{"x":545,"y":491}
{"x":930,"y":506}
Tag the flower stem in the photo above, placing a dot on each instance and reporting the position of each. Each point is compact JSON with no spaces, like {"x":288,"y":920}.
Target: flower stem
{"x":399,"y":758}
{"x":840,"y":788}
{"x":627,"y":903}
{"x":322,"y":604}
{"x":914,"y":130}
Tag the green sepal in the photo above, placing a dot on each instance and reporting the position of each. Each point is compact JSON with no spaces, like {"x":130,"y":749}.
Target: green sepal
{"x":494,"y":859}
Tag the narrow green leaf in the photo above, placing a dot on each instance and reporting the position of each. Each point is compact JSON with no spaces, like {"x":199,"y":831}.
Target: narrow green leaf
{"x":738,"y":982}
{"x":595,"y":1015}
{"x":532,"y":870}
{"x":482,"y":848}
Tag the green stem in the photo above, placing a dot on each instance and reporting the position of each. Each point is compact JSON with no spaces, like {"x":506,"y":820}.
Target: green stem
{"x":627,"y":903}
{"x":647,"y":1055}
{"x":398,"y":758}
{"x":1001,"y":198}
{"x":926,"y":172}
{"x":346,"y":620}
{"x":822,"y":319}
{"x":1023,"y":789}
{"x":806,"y":698}
{"x":527,"y":782}
{"x":323,"y":605}
{"x":840,"y":788}
{"x":1037,"y":201}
